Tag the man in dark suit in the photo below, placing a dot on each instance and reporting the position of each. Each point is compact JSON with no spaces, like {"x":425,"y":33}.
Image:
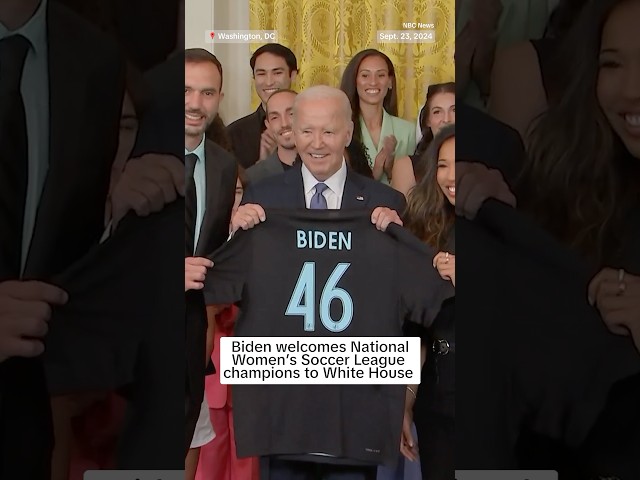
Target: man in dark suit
{"x":211,"y":175}
{"x":66,"y":183}
{"x":322,"y":128}
{"x":274,"y":67}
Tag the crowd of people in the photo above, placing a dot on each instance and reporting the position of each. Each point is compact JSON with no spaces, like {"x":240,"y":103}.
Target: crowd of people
{"x":337,"y":137}
{"x":548,"y":153}
{"x":555,"y":134}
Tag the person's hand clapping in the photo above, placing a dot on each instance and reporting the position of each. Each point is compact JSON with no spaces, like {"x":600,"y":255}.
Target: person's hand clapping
{"x":267,"y":144}
{"x":389,"y":144}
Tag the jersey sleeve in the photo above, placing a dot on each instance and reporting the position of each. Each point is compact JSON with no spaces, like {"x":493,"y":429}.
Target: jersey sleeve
{"x":422,"y":290}
{"x":225,"y":280}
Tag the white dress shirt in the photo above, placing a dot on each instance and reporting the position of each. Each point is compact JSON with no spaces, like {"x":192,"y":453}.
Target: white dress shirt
{"x":203,"y":432}
{"x":200,"y":179}
{"x":35,"y":94}
{"x":335,"y":182}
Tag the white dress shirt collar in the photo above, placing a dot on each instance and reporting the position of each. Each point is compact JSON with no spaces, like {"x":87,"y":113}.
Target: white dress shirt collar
{"x":35,"y":30}
{"x":199,"y":150}
{"x":335,"y":183}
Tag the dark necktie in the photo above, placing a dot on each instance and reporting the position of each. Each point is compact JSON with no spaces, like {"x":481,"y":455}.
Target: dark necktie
{"x":190,"y":201}
{"x":318,"y":201}
{"x":13,"y":154}
{"x":26,"y":432}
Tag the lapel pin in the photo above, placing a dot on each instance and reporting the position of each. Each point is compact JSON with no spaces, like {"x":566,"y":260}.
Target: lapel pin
{"x":360,"y":197}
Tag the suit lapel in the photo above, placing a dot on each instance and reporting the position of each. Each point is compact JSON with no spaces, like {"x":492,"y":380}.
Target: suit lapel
{"x":211,"y":201}
{"x":354,"y":195}
{"x":367,"y":141}
{"x":387,"y":127}
{"x":293,"y":177}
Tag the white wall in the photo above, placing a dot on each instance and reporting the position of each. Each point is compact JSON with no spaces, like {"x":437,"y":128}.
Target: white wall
{"x":203,"y":15}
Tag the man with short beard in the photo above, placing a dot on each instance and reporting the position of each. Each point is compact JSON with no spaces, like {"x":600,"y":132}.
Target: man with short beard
{"x":210,"y":176}
{"x":278,"y":122}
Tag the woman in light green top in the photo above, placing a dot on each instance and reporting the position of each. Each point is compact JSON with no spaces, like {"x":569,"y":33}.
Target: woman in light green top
{"x":370,"y":83}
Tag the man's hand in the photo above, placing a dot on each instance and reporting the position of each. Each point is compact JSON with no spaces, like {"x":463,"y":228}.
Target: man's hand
{"x":195,"y":271}
{"x":616,"y":295}
{"x":475,"y":183}
{"x":247,"y":216}
{"x":146,"y":185}
{"x":267,"y":144}
{"x":383,"y":216}
{"x":445,"y":263}
{"x":25,"y":310}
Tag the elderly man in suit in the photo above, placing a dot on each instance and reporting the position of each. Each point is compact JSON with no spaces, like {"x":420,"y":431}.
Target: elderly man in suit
{"x":211,"y":175}
{"x":322,"y":128}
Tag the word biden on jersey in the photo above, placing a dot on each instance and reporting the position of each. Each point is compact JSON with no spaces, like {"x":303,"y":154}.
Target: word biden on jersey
{"x":318,"y":240}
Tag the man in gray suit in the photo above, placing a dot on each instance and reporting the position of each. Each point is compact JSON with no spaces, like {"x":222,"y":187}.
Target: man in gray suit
{"x":278,"y":121}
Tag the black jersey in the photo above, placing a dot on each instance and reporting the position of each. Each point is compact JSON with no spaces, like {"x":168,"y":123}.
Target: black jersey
{"x":279,"y":272}
{"x":535,"y":354}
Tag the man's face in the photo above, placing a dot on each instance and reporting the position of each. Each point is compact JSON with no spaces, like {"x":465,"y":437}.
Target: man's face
{"x":322,"y":131}
{"x":280,"y":118}
{"x":202,"y":96}
{"x":271,"y":73}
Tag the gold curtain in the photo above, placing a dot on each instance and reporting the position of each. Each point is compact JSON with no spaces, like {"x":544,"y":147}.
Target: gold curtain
{"x":325,"y":34}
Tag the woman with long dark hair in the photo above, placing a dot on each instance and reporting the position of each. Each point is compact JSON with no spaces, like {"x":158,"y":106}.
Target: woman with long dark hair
{"x":581,"y":183}
{"x":439,"y":110}
{"x":370,"y":83}
{"x":430,"y":215}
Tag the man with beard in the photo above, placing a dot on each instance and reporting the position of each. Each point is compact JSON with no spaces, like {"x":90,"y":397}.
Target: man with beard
{"x":210,"y":176}
{"x":278,"y":122}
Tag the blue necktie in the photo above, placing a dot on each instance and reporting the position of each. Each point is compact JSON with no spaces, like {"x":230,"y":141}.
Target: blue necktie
{"x":318,"y":201}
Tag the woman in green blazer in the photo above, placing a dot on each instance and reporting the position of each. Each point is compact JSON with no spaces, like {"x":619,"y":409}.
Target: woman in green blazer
{"x":370,"y":83}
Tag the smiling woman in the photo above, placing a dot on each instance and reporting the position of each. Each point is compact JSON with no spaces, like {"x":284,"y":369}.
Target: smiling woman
{"x":580,"y":182}
{"x":370,"y":83}
{"x":618,"y":87}
{"x":586,"y":148}
{"x":439,"y":110}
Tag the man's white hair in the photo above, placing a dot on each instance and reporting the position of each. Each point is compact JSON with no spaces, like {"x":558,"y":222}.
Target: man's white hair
{"x":324,"y":92}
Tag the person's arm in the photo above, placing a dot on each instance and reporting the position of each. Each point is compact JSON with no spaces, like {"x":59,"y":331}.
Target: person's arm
{"x":515,"y":71}
{"x":412,"y":390}
{"x":403,"y":178}
{"x":407,"y":442}
{"x":212,"y":312}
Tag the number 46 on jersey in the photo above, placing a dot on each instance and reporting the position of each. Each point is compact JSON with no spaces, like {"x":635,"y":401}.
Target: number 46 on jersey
{"x":303,"y":299}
